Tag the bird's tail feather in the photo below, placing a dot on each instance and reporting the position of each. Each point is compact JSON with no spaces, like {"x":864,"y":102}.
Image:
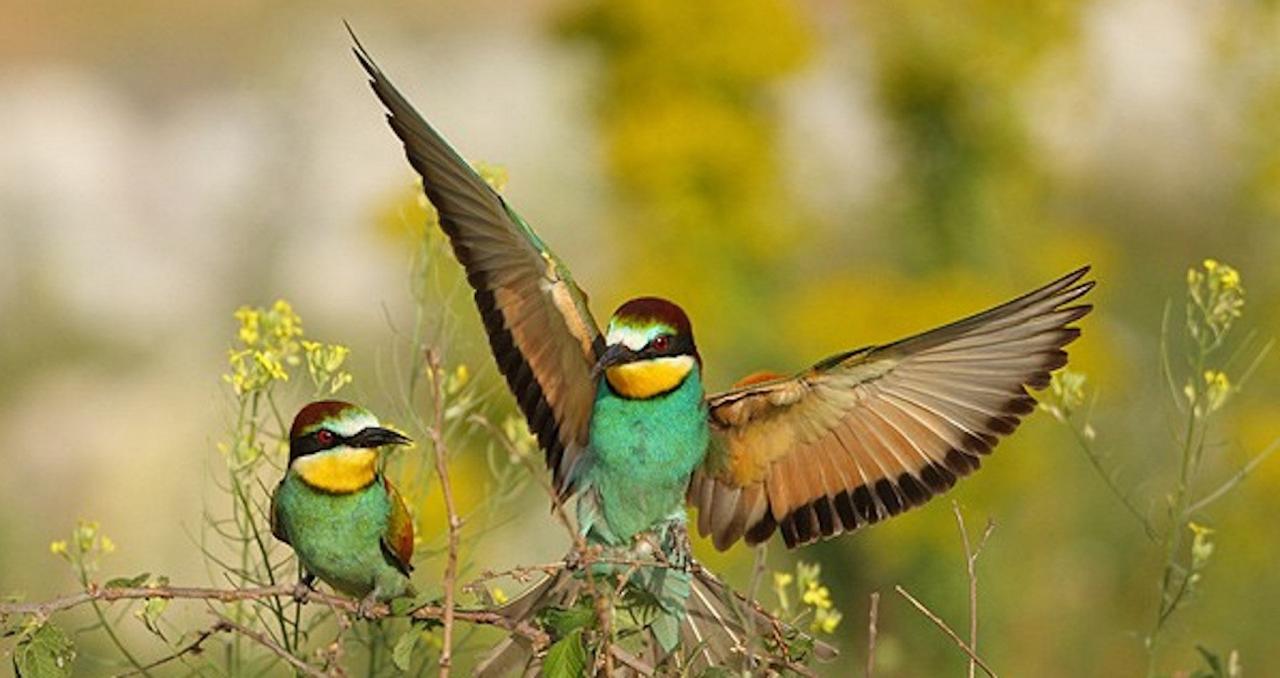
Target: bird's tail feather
{"x":725,"y":629}
{"x":720,"y":628}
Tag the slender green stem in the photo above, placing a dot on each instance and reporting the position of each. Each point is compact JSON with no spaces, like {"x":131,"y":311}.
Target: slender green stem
{"x":1094,"y":460}
{"x":1169,"y":599}
{"x":138,"y":666}
{"x":1236,"y":478}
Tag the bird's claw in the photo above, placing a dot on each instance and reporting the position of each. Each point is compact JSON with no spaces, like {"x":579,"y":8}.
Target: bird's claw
{"x":365,"y":610}
{"x":303,"y":589}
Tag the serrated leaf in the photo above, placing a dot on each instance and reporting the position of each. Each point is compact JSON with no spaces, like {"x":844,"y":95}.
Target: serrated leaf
{"x":46,"y":653}
{"x":127,"y":582}
{"x":563,"y":621}
{"x":800,"y":647}
{"x":567,"y":658}
{"x":402,"y":653}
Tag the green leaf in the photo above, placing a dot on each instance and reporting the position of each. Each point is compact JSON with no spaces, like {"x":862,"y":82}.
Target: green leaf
{"x":46,"y":653}
{"x":563,"y":621}
{"x":127,"y":582}
{"x":567,"y":658}
{"x":1214,"y":662}
{"x":402,"y":653}
{"x":150,"y":614}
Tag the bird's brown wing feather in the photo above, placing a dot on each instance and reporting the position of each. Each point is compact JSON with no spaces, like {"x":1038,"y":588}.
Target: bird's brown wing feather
{"x":397,"y":539}
{"x":540,"y":329}
{"x":867,"y":434}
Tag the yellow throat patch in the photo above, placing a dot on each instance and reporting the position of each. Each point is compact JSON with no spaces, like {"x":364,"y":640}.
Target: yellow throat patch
{"x":648,"y":378}
{"x":338,"y":471}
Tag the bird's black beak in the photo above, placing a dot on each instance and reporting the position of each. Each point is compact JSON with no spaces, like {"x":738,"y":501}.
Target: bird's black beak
{"x":377,"y":437}
{"x":616,"y":354}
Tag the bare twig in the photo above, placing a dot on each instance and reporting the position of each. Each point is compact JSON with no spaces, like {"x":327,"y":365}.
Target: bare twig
{"x":43,"y":610}
{"x":583,"y":552}
{"x":937,"y":621}
{"x":873,"y":619}
{"x":194,"y":647}
{"x":970,"y":560}
{"x":442,"y":470}
{"x":264,"y":640}
{"x":1236,"y":478}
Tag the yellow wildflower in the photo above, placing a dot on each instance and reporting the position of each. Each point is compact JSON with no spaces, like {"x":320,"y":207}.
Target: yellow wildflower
{"x":1217,"y":388}
{"x":826,"y":620}
{"x":817,"y":596}
{"x":270,"y":364}
{"x":1230,"y":278}
{"x":58,"y":548}
{"x":1201,"y":547}
{"x":250,"y":325}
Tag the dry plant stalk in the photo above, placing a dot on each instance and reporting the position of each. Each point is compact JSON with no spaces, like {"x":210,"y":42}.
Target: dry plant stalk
{"x":971,"y":558}
{"x":873,"y":618}
{"x":436,"y":431}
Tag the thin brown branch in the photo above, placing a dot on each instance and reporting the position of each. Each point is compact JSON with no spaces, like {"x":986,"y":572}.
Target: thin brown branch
{"x":194,"y":647}
{"x":43,"y":610}
{"x":873,"y":620}
{"x":937,"y":621}
{"x":632,"y":662}
{"x":582,"y":552}
{"x":455,"y":524}
{"x":970,"y":562}
{"x":264,"y":640}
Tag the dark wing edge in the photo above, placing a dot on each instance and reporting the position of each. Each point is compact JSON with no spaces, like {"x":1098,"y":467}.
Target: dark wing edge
{"x":894,"y":396}
{"x":520,"y":287}
{"x":277,"y":526}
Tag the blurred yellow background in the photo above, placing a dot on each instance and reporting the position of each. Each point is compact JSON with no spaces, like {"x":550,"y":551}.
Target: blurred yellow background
{"x":803,"y":177}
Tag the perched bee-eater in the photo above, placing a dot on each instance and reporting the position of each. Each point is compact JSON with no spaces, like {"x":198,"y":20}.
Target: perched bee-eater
{"x":626,"y":425}
{"x":343,"y":518}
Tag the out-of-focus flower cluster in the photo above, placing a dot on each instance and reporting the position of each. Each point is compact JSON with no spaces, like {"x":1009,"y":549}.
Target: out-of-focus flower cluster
{"x":270,"y":344}
{"x":814,"y":597}
{"x":85,"y":547}
{"x":1216,"y":299}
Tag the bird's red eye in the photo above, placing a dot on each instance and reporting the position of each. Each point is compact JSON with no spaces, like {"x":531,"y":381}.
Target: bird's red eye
{"x":324,"y":436}
{"x":661,"y":342}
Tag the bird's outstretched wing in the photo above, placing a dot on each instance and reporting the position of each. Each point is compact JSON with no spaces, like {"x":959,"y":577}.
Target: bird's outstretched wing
{"x":540,"y":329}
{"x":867,"y":434}
{"x":397,"y":540}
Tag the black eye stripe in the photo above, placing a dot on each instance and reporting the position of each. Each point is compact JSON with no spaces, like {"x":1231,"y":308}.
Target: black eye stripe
{"x":311,"y":443}
{"x":677,"y":344}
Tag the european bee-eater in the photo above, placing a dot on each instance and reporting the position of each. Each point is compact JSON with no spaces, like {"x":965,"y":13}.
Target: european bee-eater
{"x":343,"y":518}
{"x":622,"y":415}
